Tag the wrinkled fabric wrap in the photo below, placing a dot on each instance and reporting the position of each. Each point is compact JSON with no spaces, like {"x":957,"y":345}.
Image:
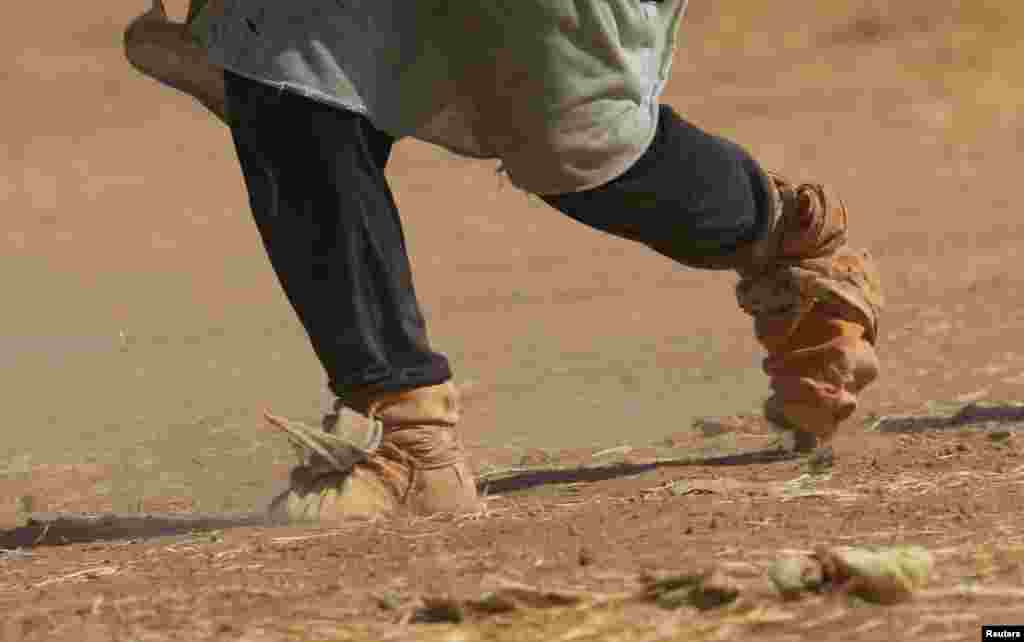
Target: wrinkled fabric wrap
{"x":419,"y":464}
{"x":788,"y":292}
{"x":815,"y":304}
{"x":563,"y":92}
{"x":420,"y":469}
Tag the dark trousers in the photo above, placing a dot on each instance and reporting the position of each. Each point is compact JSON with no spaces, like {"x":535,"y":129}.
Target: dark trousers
{"x":319,"y":196}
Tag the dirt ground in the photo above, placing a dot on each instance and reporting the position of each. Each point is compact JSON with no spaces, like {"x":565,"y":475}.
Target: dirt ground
{"x":143,"y":335}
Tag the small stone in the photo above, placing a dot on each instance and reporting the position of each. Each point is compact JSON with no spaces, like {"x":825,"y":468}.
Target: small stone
{"x":793,"y":575}
{"x":679,"y":488}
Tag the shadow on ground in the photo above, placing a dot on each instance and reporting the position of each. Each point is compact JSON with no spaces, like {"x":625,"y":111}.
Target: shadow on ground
{"x":515,"y":480}
{"x":49,"y":529}
{"x":980,"y":415}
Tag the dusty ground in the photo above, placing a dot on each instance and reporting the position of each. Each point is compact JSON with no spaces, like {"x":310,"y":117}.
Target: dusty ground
{"x":143,"y":334}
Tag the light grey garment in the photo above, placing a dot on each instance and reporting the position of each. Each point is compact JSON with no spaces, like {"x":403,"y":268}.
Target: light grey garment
{"x":563,"y":92}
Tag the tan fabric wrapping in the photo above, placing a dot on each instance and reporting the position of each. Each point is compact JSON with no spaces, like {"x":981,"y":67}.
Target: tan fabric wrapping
{"x":816,"y":305}
{"x":419,"y":465}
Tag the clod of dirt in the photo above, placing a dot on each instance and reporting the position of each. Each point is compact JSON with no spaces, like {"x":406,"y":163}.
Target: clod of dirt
{"x":794,"y":575}
{"x":881,"y":576}
{"x":704,"y":591}
{"x":885,"y":576}
{"x":389,"y":601}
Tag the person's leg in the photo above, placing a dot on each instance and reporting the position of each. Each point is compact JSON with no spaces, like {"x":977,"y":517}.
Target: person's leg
{"x":331,"y":229}
{"x":330,"y":226}
{"x":704,"y":202}
{"x":692,"y":196}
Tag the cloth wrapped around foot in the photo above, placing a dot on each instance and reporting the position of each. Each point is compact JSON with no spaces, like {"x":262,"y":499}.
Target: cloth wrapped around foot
{"x":815,"y":304}
{"x":407,"y":457}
